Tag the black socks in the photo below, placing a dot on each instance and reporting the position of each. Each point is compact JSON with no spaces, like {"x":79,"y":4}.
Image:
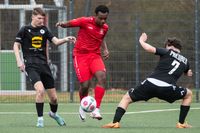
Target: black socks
{"x":53,"y":107}
{"x":183,"y":113}
{"x":39,"y":108}
{"x":118,"y":114}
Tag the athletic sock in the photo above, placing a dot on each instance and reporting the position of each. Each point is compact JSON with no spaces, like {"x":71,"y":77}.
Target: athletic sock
{"x":40,"y":118}
{"x":53,"y":107}
{"x":99,"y":93}
{"x":118,"y":114}
{"x":39,"y":108}
{"x":183,"y":113}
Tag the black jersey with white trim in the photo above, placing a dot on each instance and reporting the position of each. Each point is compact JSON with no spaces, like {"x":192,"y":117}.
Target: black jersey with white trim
{"x":170,"y":66}
{"x":33,"y":41}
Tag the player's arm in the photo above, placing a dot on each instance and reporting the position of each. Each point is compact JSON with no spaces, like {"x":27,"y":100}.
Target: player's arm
{"x":78,"y":22}
{"x":61,"y":41}
{"x":20,"y":64}
{"x":47,"y":53}
{"x":146,"y":46}
{"x":63,"y":24}
{"x":105,"y":50}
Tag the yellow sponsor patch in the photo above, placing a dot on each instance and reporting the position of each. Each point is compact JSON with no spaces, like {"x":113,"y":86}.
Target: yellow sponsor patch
{"x":37,"y":41}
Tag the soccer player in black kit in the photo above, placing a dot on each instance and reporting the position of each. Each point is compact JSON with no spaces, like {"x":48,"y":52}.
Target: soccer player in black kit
{"x":161,"y":83}
{"x":32,"y":39}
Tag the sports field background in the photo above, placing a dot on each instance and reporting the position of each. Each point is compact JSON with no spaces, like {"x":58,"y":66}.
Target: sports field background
{"x":127,"y":66}
{"x":140,"y":118}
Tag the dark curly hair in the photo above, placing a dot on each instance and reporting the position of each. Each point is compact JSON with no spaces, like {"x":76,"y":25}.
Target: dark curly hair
{"x":173,"y":42}
{"x":101,"y":8}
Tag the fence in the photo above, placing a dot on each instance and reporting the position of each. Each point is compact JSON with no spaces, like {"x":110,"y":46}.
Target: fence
{"x":128,"y":63}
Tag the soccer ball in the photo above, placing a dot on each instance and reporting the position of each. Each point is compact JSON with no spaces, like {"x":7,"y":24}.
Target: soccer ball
{"x":88,"y":104}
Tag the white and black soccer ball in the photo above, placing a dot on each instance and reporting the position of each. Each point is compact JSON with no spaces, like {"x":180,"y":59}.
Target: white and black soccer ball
{"x":88,"y":104}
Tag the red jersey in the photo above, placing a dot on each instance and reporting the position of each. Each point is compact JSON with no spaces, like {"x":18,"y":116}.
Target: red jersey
{"x":90,"y":35}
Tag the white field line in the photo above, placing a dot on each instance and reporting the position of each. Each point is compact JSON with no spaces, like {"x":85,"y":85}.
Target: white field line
{"x":75,"y":113}
{"x":160,"y":110}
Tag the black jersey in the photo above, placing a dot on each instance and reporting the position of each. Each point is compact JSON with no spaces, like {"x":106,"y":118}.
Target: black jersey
{"x":33,"y":41}
{"x":170,"y":66}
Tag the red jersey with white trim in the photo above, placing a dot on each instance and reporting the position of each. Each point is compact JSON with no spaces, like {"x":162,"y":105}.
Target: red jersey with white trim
{"x":90,"y":35}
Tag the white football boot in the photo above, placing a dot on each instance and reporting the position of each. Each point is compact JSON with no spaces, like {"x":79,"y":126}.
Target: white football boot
{"x":82,"y":114}
{"x":96,"y":114}
{"x":40,"y":122}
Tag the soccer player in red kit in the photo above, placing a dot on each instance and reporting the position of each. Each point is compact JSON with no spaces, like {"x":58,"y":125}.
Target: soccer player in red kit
{"x":87,"y":54}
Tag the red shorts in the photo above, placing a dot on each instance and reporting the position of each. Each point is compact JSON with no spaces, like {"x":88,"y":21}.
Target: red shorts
{"x":86,"y":65}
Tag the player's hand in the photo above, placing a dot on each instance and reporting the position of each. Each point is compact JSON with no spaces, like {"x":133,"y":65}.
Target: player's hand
{"x":143,"y":37}
{"x":106,"y":54}
{"x":59,"y":24}
{"x":71,"y":39}
{"x":21,"y":66}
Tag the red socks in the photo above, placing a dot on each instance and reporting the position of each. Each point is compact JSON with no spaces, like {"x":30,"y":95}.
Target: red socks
{"x":99,"y":93}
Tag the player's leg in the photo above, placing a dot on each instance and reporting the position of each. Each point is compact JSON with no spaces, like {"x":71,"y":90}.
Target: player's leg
{"x":98,"y":69}
{"x":48,"y":82}
{"x":83,"y":92}
{"x":84,"y":89}
{"x":100,"y":86}
{"x":122,"y":107}
{"x":139,"y":93}
{"x":40,"y":92}
{"x":34,"y":76}
{"x":184,"y":109}
{"x":99,"y":91}
{"x":84,"y":75}
{"x":120,"y":111}
{"x":172,"y":93}
{"x":54,"y":106}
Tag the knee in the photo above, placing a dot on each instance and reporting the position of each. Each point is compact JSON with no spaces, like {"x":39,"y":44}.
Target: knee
{"x":102,"y":80}
{"x":101,"y":76}
{"x":40,"y":93}
{"x":127,"y":98}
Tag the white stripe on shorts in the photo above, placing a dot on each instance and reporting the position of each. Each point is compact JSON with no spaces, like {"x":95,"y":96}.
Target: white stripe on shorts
{"x":158,"y":82}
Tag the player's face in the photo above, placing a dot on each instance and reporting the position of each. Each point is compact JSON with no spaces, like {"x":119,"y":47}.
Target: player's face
{"x":37,"y":20}
{"x":101,"y":18}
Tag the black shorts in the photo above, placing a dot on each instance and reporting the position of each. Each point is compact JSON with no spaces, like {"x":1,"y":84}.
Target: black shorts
{"x":148,"y":90}
{"x":40,"y":72}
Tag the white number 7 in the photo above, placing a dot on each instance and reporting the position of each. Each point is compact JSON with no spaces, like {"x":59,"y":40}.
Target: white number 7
{"x":176,"y":64}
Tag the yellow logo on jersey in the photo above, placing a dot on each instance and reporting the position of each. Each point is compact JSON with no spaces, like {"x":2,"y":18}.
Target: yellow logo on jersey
{"x":37,"y":41}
